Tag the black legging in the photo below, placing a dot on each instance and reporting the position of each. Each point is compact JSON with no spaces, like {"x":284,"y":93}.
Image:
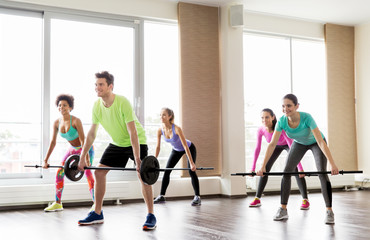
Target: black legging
{"x":296,"y":153}
{"x":301,"y":182}
{"x":171,"y":163}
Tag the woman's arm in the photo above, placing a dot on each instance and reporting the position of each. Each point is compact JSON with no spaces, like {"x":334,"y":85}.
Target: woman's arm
{"x":179,"y":132}
{"x":52,"y":144}
{"x":270,"y":149}
{"x":158,"y":147}
{"x":257,"y":150}
{"x":324,"y":148}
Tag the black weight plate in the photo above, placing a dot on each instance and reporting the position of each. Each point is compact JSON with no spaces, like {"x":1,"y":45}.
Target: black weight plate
{"x":70,"y":168}
{"x":148,"y":170}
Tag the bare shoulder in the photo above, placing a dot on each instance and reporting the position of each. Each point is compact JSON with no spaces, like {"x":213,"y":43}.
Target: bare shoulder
{"x":56,"y":123}
{"x":177,"y":129}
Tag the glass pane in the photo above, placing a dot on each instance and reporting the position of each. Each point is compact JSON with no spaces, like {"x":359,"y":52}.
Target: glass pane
{"x":74,"y":62}
{"x":309,"y":84}
{"x":20,"y":70}
{"x":266,"y":81}
{"x":161,"y":80}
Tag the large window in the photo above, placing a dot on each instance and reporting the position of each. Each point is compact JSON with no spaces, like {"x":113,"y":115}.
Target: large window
{"x":46,"y":54}
{"x":161,"y":80}
{"x":74,"y":62}
{"x":273,"y":67}
{"x":21,"y":98}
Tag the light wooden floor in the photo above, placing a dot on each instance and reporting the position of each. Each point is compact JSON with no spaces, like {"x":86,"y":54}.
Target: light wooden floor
{"x":217,"y":218}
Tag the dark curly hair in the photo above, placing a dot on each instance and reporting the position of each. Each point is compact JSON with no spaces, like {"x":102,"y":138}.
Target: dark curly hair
{"x":69,"y":98}
{"x":108,"y":77}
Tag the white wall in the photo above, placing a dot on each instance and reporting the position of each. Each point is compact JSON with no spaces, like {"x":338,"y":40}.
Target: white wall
{"x":284,"y":26}
{"x":362,"y":62}
{"x":233,"y":141}
{"x":162,"y":9}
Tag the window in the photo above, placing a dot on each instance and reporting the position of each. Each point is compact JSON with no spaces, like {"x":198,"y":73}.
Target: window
{"x":273,"y":67}
{"x":53,"y":53}
{"x":161,"y":80}
{"x":78,"y":50}
{"x":21,"y":98}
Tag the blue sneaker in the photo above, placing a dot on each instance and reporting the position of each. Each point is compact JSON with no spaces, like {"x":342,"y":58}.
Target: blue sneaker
{"x":92,"y":218}
{"x":150,"y":223}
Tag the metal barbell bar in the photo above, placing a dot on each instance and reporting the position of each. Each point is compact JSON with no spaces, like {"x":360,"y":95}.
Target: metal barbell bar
{"x":149,"y":169}
{"x":294,"y":173}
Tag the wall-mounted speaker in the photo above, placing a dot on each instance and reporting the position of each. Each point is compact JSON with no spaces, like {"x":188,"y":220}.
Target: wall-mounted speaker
{"x":236,"y":14}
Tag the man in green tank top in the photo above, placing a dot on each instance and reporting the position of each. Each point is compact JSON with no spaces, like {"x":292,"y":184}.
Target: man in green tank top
{"x":116,"y":115}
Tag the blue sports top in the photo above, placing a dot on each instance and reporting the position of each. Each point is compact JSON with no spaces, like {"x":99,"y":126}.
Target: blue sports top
{"x":303,"y":132}
{"x":72,"y":133}
{"x":175,"y":140}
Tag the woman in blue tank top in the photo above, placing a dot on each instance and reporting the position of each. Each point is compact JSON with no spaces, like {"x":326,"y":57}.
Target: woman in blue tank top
{"x":174,"y":135}
{"x":70,"y":128}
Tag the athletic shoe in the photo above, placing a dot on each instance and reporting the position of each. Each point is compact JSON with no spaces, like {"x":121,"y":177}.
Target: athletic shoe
{"x":92,"y":218}
{"x":255,"y":203}
{"x":281,"y":214}
{"x":160,"y":199}
{"x":305,"y":204}
{"x":196,"y":201}
{"x":329,"y":217}
{"x":54,"y":207}
{"x":150,"y":223}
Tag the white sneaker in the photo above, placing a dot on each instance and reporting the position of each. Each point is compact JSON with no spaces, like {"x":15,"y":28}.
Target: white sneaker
{"x":281,"y":214}
{"x":196,"y":201}
{"x":329,"y":217}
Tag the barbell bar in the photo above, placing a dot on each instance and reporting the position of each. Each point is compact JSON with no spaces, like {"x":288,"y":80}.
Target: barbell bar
{"x":149,"y":169}
{"x":294,"y":173}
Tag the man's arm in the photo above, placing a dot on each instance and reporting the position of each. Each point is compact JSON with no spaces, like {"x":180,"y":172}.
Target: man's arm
{"x":134,"y":138}
{"x":90,"y":138}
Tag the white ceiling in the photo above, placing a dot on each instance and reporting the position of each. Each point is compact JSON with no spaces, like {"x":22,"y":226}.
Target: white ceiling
{"x":343,"y":12}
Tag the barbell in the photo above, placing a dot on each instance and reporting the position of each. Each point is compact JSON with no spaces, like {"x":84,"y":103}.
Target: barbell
{"x":294,"y":173}
{"x":149,"y":169}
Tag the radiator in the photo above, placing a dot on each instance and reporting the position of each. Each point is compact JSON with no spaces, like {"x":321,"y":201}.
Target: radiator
{"x":78,"y":192}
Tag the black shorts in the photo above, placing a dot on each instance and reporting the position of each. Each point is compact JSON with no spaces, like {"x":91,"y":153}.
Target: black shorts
{"x":115,"y":156}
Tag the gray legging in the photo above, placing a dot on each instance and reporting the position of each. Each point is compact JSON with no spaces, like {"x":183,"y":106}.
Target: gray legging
{"x":301,"y":182}
{"x":296,"y":153}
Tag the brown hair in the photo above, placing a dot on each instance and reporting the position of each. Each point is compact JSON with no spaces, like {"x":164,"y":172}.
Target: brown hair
{"x":108,"y":77}
{"x":170,"y":113}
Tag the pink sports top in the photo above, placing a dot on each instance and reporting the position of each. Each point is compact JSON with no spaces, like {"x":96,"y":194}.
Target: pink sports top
{"x":283,"y":140}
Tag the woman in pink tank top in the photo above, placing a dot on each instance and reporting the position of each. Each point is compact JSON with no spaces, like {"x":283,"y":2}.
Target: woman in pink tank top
{"x":266,"y":130}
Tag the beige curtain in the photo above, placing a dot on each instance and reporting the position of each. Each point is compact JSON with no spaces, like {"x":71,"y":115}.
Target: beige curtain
{"x":200,"y":83}
{"x":339,"y":42}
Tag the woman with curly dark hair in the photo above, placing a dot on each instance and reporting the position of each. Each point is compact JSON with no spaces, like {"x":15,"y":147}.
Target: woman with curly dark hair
{"x":70,"y":128}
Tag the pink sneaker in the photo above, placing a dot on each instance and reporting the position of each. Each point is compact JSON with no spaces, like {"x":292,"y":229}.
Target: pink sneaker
{"x":256,"y":203}
{"x":305,"y":204}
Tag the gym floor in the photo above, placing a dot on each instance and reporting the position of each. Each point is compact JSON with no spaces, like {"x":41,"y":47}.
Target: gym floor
{"x":216,"y":218}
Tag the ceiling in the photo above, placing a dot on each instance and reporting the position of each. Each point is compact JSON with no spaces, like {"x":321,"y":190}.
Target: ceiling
{"x":343,"y":12}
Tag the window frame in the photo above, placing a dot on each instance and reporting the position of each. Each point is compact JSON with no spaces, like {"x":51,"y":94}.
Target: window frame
{"x":291,"y":38}
{"x":47,"y":14}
